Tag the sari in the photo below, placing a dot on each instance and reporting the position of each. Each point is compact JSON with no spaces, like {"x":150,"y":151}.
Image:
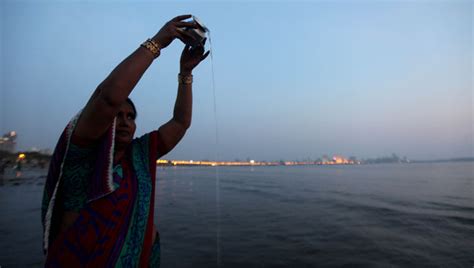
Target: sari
{"x":115,"y":225}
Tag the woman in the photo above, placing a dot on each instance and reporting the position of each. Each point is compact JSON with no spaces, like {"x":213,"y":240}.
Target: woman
{"x":98,"y":200}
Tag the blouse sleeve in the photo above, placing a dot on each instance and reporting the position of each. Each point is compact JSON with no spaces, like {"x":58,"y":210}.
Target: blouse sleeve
{"x":150,"y":145}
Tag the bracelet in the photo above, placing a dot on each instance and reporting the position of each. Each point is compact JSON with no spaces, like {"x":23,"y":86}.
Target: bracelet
{"x":186,"y":79}
{"x":152,"y":46}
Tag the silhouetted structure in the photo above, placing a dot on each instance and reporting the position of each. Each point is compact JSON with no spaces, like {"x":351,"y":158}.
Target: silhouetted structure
{"x":7,"y":142}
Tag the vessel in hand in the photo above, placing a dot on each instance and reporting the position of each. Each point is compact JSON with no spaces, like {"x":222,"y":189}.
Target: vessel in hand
{"x":198,"y":33}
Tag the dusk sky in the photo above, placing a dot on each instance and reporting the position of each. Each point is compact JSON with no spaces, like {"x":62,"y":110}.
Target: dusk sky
{"x":293,"y":80}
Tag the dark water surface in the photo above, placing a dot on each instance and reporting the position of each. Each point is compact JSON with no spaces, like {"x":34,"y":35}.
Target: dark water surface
{"x":417,"y":215}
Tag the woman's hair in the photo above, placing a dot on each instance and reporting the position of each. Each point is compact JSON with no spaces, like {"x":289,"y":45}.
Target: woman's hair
{"x":133,"y":106}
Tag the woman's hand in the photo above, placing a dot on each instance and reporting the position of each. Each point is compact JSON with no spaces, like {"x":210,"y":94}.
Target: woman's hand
{"x":191,"y":57}
{"x":175,"y":29}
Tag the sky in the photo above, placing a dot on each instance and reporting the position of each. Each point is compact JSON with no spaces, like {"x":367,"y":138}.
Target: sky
{"x":293,"y":80}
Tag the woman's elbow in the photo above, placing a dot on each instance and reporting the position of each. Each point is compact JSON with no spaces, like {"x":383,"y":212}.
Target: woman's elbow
{"x":186,"y":125}
{"x":107,"y":93}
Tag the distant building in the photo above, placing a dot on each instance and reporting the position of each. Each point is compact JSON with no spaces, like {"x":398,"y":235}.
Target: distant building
{"x":46,"y":151}
{"x":337,"y":159}
{"x":7,"y":142}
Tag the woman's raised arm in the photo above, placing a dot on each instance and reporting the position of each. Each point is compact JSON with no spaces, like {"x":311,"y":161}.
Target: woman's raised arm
{"x":105,"y":102}
{"x":173,"y":131}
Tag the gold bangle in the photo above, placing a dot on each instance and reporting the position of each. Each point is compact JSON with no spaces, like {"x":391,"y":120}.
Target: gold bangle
{"x":152,"y":46}
{"x":185,"y":79}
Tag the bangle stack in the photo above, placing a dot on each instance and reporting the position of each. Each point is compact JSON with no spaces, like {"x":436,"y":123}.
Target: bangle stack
{"x":186,"y":79}
{"x":152,"y":46}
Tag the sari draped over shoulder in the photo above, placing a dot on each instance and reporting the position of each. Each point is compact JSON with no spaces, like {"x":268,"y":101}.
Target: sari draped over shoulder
{"x":115,"y":224}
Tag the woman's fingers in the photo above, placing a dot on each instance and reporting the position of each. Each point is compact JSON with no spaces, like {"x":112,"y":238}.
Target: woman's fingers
{"x":205,"y":55}
{"x":186,"y":24}
{"x":175,"y":28}
{"x":181,"y":34}
{"x":192,"y":57}
{"x":186,"y":48}
{"x":185,"y":36}
{"x":199,"y":50}
{"x":182,"y":17}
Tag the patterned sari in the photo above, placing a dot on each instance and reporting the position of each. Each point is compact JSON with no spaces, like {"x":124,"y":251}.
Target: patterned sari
{"x":115,"y":225}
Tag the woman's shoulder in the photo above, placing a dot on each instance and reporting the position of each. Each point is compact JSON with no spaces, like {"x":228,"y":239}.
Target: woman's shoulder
{"x":149,"y":144}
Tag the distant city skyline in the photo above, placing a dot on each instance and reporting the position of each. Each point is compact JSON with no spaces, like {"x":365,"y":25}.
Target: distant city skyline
{"x":293,"y":80}
{"x":337,"y":158}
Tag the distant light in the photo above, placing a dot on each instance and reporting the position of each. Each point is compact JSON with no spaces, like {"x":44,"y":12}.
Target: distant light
{"x":252,"y":161}
{"x":21,"y":156}
{"x":12,"y":133}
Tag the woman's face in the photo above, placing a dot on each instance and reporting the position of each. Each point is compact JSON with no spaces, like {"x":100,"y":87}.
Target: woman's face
{"x":125,"y":129}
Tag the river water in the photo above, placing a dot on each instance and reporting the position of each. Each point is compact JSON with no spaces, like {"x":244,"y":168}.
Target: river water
{"x":396,"y":215}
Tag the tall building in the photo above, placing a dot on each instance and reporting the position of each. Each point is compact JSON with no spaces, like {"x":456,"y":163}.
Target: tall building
{"x":7,"y":142}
